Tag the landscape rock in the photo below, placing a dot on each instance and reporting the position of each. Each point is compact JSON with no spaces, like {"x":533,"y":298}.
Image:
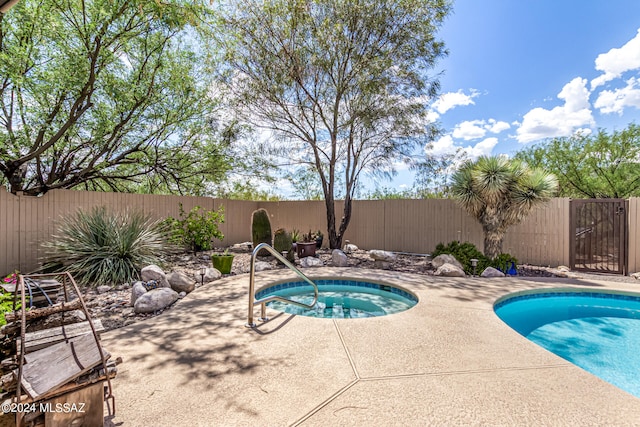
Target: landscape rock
{"x":103,"y":289}
{"x":241,"y":247}
{"x":384,"y":265}
{"x":180,"y":282}
{"x":153,"y":272}
{"x":563,"y":268}
{"x":349,"y":247}
{"x":339,"y":258}
{"x":155,"y":300}
{"x":137,"y":291}
{"x":442,"y":259}
{"x":636,"y":275}
{"x":210,"y":275}
{"x":492,"y":272}
{"x":182,"y":294}
{"x":449,"y":270}
{"x":380,"y":255}
{"x":262,"y":266}
{"x":310,"y":261}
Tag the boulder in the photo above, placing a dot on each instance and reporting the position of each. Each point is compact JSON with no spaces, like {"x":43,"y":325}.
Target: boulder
{"x":210,"y":275}
{"x":449,"y":270}
{"x":241,"y":247}
{"x":492,"y":272}
{"x":442,"y":259}
{"x":137,"y":291}
{"x":155,"y":300}
{"x":383,"y":265}
{"x":380,"y":255}
{"x":636,"y":275}
{"x":349,"y":247}
{"x":310,"y":261}
{"x":153,"y":272}
{"x":339,"y":258}
{"x":180,"y":282}
{"x":103,"y":289}
{"x":262,"y":266}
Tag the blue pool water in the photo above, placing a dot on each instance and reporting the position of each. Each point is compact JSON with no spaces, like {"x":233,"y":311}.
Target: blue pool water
{"x":341,"y":299}
{"x":599,"y":332}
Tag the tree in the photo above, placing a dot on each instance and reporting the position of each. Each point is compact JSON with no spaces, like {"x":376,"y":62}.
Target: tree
{"x":341,"y":85}
{"x":500,"y":193}
{"x":106,"y":95}
{"x":592,"y":166}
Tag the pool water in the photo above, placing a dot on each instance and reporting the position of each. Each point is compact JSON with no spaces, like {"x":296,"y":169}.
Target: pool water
{"x":599,"y":332}
{"x":341,"y":299}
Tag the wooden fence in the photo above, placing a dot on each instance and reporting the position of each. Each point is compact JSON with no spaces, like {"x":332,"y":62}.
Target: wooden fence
{"x":397,"y":225}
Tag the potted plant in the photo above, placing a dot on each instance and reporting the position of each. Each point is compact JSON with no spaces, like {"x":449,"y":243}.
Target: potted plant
{"x":307,"y":247}
{"x":222,"y":262}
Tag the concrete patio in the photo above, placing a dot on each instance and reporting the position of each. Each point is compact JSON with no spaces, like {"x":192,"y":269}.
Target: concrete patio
{"x":447,"y":361}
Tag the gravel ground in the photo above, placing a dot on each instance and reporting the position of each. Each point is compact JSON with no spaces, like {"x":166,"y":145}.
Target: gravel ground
{"x":114,"y":309}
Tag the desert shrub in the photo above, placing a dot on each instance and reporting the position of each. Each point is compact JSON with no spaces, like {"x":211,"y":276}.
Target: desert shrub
{"x":197,"y":229}
{"x":100,"y":247}
{"x":465,"y":252}
{"x":503,"y":261}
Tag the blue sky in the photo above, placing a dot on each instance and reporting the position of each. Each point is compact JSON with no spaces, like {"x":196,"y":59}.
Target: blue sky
{"x":521,"y":71}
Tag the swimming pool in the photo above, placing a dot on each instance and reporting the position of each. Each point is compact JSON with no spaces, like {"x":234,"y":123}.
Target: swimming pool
{"x":341,"y":299}
{"x":597,"y":331}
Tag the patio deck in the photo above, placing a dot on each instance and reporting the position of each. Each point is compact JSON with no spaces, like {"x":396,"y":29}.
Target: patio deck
{"x":447,"y":361}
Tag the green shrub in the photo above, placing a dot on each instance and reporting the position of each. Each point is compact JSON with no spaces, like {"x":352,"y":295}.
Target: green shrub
{"x":100,"y":247}
{"x":6,"y":298}
{"x":197,"y":229}
{"x":465,"y":252}
{"x":503,"y":261}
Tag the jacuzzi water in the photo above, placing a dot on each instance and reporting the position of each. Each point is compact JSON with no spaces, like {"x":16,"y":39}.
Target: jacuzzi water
{"x":341,"y":299}
{"x":599,"y":332}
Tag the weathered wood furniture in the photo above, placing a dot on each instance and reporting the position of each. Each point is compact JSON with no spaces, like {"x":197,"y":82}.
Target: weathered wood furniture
{"x":60,"y":368}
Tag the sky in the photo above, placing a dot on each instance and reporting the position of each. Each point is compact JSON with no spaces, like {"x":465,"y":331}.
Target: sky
{"x":523,"y":71}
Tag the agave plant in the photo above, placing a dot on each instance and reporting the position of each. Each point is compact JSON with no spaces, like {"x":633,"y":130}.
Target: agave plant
{"x":99,"y":247}
{"x":500,"y":193}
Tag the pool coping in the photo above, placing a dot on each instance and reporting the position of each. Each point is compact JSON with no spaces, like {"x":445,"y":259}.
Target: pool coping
{"x":448,"y":360}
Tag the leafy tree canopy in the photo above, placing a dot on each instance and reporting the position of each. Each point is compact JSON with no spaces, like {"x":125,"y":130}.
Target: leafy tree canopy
{"x":342,"y":86}
{"x":107,"y":95}
{"x":592,"y":166}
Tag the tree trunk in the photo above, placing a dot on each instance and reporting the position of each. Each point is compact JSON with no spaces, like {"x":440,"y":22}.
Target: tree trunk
{"x":331,"y":223}
{"x":493,"y":239}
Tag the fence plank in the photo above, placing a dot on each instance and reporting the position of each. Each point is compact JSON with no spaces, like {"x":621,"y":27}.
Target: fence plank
{"x":397,"y":225}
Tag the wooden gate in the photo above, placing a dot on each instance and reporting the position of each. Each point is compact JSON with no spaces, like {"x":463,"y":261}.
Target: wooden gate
{"x":598,"y":230}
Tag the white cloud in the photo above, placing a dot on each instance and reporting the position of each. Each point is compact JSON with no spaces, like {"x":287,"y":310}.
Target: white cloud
{"x":564,"y":120}
{"x":494,"y":126}
{"x":469,"y":130}
{"x":617,"y":61}
{"x":476,"y":129}
{"x":615,"y":101}
{"x":447,"y":145}
{"x":450,"y":100}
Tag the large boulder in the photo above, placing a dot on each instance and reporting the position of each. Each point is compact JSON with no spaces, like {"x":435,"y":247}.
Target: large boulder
{"x":310,"y":261}
{"x":180,"y":282}
{"x":137,"y":290}
{"x":153,"y":272}
{"x":380,"y":255}
{"x":442,"y":259}
{"x":339,"y":258}
{"x":449,"y":270}
{"x":155,"y":300}
{"x":492,"y":272}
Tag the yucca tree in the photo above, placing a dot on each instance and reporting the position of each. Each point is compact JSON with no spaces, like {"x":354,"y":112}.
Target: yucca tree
{"x":499,"y":193}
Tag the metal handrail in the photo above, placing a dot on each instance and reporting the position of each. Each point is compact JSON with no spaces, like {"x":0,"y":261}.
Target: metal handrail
{"x":252,"y":286}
